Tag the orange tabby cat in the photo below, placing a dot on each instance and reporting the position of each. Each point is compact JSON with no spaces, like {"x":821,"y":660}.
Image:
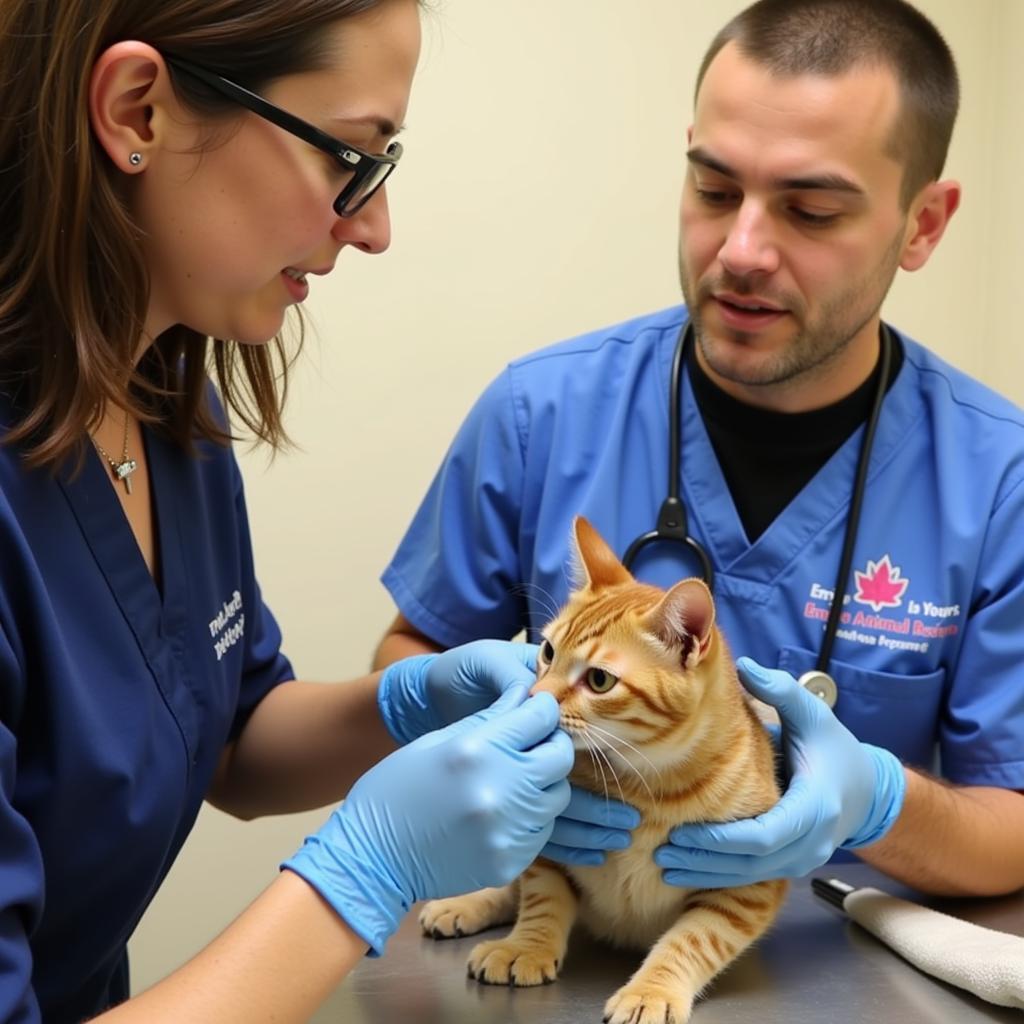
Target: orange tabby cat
{"x":649,"y":694}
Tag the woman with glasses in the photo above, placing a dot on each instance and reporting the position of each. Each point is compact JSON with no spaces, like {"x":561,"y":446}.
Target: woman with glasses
{"x":170,"y":174}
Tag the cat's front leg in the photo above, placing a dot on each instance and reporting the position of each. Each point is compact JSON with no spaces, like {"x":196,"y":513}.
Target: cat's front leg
{"x":533,"y":952}
{"x":716,"y":925}
{"x":474,"y":912}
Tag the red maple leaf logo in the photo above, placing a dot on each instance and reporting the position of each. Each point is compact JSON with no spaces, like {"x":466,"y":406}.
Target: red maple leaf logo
{"x":881,"y":586}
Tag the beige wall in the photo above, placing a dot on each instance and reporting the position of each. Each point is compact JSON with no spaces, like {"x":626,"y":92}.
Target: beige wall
{"x":537,"y":199}
{"x":1003,"y":362}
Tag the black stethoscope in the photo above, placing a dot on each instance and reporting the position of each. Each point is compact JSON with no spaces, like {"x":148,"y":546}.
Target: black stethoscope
{"x":673,"y":525}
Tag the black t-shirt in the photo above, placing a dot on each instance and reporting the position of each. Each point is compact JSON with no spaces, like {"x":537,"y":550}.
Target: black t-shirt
{"x":768,"y":457}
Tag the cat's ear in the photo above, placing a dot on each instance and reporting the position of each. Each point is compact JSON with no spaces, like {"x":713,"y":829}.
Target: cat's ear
{"x":682,"y":620}
{"x":596,"y":563}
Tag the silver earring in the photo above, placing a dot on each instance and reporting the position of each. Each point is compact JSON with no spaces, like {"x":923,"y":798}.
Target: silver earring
{"x":135,"y":159}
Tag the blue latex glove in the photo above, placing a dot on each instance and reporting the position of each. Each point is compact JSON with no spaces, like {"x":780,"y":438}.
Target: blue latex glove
{"x":841,"y":793}
{"x":590,"y":825}
{"x":463,"y":808}
{"x":430,"y":691}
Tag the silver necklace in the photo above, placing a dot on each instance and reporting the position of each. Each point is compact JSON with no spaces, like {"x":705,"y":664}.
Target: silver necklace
{"x":122,"y":470}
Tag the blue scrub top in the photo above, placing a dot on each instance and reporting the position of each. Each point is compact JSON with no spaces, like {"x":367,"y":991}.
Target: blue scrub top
{"x":116,"y":701}
{"x":929,"y":658}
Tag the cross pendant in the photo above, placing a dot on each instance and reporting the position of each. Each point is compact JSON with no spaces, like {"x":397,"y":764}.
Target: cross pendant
{"x":123,"y":471}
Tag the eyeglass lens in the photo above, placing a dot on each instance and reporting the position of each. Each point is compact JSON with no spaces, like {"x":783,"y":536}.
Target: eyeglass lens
{"x":348,"y":204}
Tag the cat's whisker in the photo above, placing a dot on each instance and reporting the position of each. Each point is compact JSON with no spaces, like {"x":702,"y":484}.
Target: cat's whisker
{"x":629,"y":764}
{"x":595,"y":757}
{"x":596,"y":747}
{"x":618,"y":739}
{"x":598,"y":759}
{"x":549,"y":605}
{"x":596,"y":765}
{"x":577,"y":732}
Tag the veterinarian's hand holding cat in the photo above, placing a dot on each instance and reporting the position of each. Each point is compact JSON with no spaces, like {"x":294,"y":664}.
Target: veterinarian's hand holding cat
{"x":841,"y":793}
{"x":460,"y":808}
{"x":430,"y":691}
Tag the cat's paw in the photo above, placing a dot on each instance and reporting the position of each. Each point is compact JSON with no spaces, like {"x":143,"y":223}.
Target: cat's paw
{"x":453,"y":918}
{"x":501,"y":962}
{"x":466,"y":915}
{"x":649,"y":1004}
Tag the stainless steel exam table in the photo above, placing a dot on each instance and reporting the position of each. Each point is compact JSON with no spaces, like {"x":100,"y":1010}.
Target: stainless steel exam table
{"x":813,"y":967}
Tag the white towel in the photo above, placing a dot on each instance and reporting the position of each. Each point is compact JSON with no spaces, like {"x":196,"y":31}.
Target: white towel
{"x":986,"y":962}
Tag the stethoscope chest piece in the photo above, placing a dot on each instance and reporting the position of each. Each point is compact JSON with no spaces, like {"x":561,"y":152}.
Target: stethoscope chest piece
{"x":822,"y":685}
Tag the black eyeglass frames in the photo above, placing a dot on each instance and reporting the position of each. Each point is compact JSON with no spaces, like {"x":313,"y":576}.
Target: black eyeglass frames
{"x":369,"y":170}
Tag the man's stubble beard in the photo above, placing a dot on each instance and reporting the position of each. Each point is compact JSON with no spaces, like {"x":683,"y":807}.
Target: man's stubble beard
{"x":816,"y":344}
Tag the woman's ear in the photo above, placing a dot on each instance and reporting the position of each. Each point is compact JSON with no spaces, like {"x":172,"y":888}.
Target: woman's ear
{"x":129,"y":93}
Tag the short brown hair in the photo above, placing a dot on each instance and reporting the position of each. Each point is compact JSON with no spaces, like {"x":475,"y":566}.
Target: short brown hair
{"x":73,"y":288}
{"x":830,"y":37}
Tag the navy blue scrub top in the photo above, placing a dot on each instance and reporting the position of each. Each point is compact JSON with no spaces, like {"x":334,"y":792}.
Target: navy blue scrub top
{"x":116,"y":700}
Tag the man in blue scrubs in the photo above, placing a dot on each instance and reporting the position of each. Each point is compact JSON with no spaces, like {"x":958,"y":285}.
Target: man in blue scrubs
{"x":815,"y":157}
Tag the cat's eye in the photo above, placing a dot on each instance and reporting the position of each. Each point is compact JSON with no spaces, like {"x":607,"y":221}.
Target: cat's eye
{"x":599,"y":680}
{"x":547,"y":652}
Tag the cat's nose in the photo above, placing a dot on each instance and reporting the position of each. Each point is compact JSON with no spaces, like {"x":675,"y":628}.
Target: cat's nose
{"x":549,"y":683}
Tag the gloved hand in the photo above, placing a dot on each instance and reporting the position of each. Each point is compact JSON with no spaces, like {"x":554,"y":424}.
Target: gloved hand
{"x":841,"y":793}
{"x":463,"y":808}
{"x":590,"y":825}
{"x":429,"y":691}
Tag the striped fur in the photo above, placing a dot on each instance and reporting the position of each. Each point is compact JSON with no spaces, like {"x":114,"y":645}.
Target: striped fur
{"x":675,"y":737}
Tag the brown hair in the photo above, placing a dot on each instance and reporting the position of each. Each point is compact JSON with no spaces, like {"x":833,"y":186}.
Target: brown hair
{"x":73,"y":288}
{"x":830,"y":37}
